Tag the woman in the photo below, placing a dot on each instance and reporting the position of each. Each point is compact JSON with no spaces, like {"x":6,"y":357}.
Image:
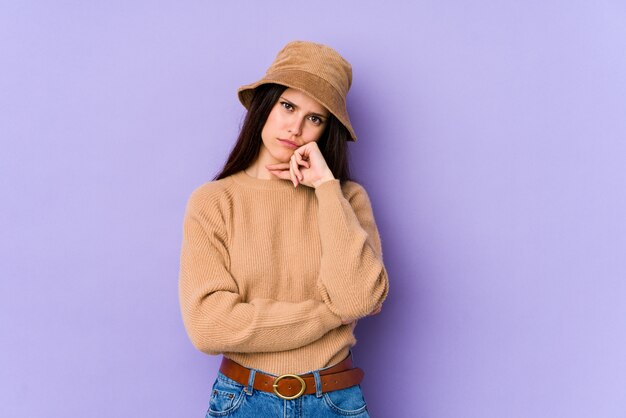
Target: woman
{"x":280,"y":254}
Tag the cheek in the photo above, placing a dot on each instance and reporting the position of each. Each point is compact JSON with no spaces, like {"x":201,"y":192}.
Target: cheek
{"x":314,"y":134}
{"x":274,"y":120}
{"x":270,"y":125}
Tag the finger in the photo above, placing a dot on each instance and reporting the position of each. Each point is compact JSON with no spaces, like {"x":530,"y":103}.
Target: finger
{"x":280,"y":174}
{"x":279,"y":169}
{"x":296,"y":168}
{"x":301,"y":161}
{"x":294,"y":180}
{"x":277,"y":166}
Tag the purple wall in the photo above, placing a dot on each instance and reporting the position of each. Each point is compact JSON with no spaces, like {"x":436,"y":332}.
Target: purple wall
{"x":492,"y":141}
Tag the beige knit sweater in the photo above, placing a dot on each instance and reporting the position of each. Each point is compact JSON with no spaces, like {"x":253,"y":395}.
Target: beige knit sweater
{"x":268,"y":271}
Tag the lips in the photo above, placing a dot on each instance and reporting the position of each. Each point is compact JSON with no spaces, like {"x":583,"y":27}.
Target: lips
{"x":288,"y":143}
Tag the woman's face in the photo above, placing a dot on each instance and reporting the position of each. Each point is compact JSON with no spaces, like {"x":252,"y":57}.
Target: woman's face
{"x":296,"y":119}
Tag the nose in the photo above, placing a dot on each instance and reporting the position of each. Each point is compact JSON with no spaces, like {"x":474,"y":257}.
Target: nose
{"x":295,"y":126}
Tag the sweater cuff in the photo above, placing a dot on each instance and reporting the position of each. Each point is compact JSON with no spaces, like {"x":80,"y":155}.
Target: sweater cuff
{"x":329,"y":187}
{"x":328,"y":318}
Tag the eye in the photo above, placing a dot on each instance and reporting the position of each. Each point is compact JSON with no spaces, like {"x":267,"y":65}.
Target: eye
{"x":286,"y":105}
{"x":316,"y":120}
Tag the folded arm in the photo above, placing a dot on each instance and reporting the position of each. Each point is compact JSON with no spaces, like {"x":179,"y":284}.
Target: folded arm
{"x":216,"y":318}
{"x":353,"y":280}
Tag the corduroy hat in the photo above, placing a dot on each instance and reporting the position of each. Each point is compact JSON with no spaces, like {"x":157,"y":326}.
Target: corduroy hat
{"x":317,"y":70}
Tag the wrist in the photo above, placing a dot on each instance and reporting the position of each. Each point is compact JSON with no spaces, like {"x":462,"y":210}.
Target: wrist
{"x":327,"y":177}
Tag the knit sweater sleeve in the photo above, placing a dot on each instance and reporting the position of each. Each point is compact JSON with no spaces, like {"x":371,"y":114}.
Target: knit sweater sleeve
{"x":353,"y":280}
{"x":216,"y":318}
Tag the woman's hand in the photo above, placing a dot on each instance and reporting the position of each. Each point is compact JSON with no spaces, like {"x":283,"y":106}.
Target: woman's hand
{"x":307,"y":166}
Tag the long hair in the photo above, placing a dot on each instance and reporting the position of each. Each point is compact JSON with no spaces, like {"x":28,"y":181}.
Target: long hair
{"x":333,"y":143}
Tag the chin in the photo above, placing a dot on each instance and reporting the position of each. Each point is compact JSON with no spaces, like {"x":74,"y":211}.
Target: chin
{"x":283,"y":156}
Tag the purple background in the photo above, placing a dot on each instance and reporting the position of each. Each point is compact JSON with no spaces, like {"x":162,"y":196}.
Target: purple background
{"x":491,"y":141}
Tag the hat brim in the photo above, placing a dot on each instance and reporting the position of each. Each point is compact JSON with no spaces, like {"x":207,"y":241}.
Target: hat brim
{"x":324,"y":93}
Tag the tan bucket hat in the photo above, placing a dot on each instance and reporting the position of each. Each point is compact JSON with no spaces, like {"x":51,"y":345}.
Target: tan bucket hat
{"x":313,"y":68}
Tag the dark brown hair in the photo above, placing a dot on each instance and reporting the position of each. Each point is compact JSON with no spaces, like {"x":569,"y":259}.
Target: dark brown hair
{"x":333,"y":143}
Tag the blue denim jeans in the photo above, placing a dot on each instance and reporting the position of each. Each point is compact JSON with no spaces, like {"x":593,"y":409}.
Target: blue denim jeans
{"x":232,"y":399}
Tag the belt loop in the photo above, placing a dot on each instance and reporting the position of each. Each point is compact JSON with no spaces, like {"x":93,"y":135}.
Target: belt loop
{"x":250,"y":388}
{"x":318,"y":383}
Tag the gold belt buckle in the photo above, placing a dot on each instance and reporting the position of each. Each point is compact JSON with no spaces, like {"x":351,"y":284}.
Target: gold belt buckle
{"x":297,"y":395}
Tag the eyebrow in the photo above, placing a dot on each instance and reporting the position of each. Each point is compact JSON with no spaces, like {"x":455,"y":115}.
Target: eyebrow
{"x":295,"y":105}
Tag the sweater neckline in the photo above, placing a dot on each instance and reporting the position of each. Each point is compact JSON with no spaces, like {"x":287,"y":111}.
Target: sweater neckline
{"x":245,"y":179}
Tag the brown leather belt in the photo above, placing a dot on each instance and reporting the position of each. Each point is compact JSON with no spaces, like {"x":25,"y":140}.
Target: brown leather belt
{"x":289,"y":386}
